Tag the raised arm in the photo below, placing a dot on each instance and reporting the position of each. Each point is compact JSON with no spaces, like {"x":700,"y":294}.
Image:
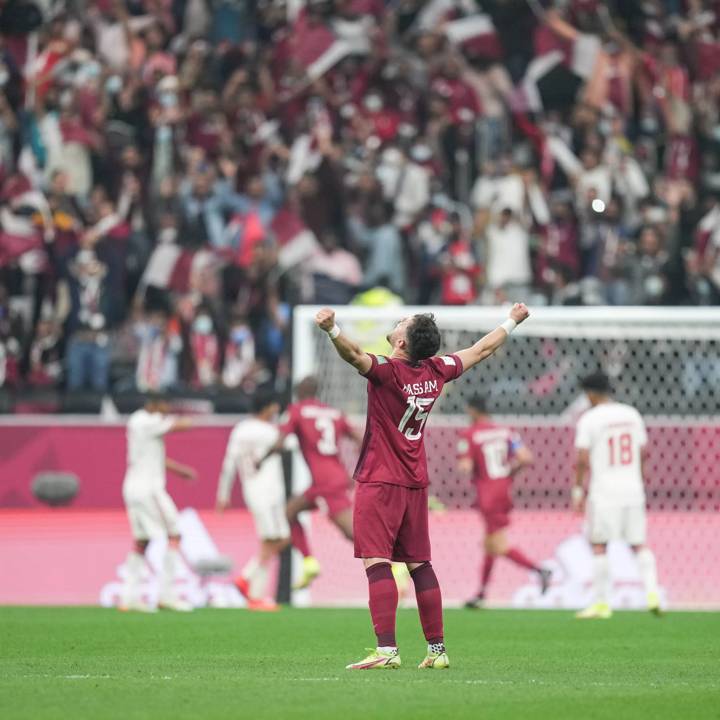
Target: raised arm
{"x":487,"y":345}
{"x":348,"y":350}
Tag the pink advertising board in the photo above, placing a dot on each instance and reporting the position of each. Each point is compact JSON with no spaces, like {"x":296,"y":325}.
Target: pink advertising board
{"x":72,"y":556}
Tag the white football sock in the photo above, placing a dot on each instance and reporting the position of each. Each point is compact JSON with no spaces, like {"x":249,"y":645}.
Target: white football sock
{"x":601,"y":578}
{"x":247,"y":572}
{"x":134,"y":566}
{"x":171,"y":563}
{"x":648,"y":569}
{"x":387,"y":649}
{"x":258,"y":582}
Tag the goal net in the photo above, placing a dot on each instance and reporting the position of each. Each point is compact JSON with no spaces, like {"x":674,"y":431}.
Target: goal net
{"x":665,"y":362}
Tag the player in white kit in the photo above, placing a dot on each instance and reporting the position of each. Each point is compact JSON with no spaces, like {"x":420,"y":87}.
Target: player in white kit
{"x":264,"y":493}
{"x":611,"y":444}
{"x":151,"y":511}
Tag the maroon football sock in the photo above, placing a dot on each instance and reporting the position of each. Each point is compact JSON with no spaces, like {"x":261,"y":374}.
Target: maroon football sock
{"x":487,"y":568}
{"x":299,"y":539}
{"x":429,"y":602}
{"x":383,"y":602}
{"x":519,"y":558}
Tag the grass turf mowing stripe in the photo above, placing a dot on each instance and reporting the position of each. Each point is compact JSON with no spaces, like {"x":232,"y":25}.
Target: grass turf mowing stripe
{"x":95,"y":663}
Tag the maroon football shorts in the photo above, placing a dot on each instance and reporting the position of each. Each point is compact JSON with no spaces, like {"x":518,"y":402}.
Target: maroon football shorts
{"x":331,"y":483}
{"x":336,"y":497}
{"x":495,"y":506}
{"x":391,"y":521}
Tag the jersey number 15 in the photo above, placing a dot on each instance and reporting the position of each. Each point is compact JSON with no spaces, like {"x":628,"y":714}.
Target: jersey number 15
{"x":415,"y":417}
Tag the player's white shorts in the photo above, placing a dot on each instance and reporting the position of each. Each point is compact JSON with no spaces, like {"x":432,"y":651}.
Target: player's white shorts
{"x":270,"y":520}
{"x":619,"y":522}
{"x":152,"y":516}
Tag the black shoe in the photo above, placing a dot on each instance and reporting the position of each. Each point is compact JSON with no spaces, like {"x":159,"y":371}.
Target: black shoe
{"x":477,"y":603}
{"x":545,"y":576}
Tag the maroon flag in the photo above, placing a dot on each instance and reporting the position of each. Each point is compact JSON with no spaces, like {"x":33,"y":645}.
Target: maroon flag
{"x":169,"y":267}
{"x":476,"y":35}
{"x":296,"y":242}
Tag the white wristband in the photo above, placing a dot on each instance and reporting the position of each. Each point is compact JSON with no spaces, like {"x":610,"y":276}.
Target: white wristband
{"x":334,"y":332}
{"x":509,"y":325}
{"x":578,"y":493}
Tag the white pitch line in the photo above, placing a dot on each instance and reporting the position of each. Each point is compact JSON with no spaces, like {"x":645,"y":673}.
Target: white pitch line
{"x":93,"y":677}
{"x":529,"y":681}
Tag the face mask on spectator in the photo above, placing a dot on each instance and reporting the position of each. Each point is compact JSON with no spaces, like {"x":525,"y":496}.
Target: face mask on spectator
{"x":649,"y":124}
{"x":168,"y":99}
{"x":113,"y":84}
{"x":147,"y":331}
{"x":421,"y":153}
{"x":239,"y":335}
{"x":167,"y":235}
{"x":373,"y":103}
{"x":203,"y":325}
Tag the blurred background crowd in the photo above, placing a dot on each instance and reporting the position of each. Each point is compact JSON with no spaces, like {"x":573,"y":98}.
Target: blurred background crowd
{"x":175,"y":175}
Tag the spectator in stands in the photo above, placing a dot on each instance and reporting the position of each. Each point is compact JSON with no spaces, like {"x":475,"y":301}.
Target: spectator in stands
{"x":507,"y":257}
{"x":650,"y":268}
{"x":405,"y":185}
{"x":10,"y":342}
{"x":44,"y":356}
{"x":205,"y":348}
{"x":211,"y":152}
{"x":333,"y":273}
{"x":381,"y":244}
{"x":86,"y":306}
{"x":459,"y":269}
{"x":240,"y":368}
{"x":558,"y":247}
{"x":158,"y":357}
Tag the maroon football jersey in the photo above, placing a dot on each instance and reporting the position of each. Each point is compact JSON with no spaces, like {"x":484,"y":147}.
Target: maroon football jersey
{"x":400,"y":397}
{"x":491,"y":448}
{"x":318,"y":428}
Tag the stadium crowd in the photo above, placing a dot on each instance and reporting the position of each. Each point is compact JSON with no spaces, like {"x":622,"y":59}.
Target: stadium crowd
{"x":176,"y":174}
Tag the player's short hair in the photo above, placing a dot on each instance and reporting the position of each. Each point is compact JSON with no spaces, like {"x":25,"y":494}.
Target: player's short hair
{"x":597,"y":382}
{"x":478,"y":403}
{"x":262,"y":399}
{"x":423,"y":337}
{"x":307,"y":387}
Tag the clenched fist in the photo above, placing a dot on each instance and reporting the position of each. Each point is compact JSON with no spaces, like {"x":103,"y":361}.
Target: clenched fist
{"x":519,"y":312}
{"x":325,"y":319}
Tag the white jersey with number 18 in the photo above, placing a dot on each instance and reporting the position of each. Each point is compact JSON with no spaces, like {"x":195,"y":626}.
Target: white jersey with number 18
{"x":614,"y":434}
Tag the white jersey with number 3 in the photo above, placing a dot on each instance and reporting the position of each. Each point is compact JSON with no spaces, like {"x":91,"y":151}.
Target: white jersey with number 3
{"x":614,"y":434}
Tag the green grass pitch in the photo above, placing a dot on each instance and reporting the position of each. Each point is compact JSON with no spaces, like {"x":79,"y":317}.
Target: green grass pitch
{"x":93,"y":663}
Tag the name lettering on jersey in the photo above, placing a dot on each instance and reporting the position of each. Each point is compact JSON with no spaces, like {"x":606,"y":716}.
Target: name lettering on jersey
{"x":314,"y":412}
{"x":421,"y":388}
{"x":483,"y":436}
